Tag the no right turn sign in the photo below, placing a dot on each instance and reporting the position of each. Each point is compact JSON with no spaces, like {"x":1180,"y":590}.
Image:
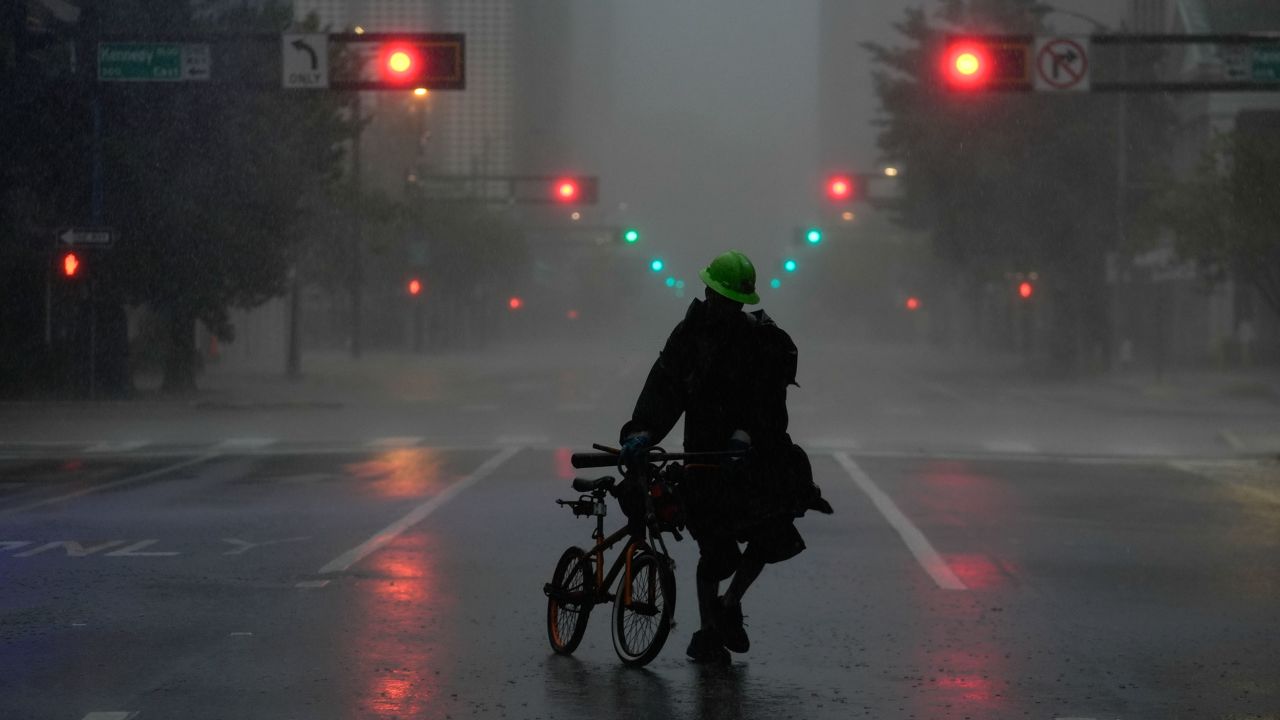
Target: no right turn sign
{"x":1061,"y":64}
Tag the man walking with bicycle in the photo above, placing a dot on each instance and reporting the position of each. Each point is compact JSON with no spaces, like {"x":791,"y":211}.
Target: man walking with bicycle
{"x":727,"y":372}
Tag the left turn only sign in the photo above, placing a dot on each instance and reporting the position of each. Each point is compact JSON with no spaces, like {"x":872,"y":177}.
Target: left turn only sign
{"x":305,"y":60}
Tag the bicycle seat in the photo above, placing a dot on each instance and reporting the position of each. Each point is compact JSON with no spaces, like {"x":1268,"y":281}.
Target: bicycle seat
{"x":593,"y":484}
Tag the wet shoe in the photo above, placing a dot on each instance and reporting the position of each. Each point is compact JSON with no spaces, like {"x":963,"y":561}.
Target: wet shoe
{"x":705,"y":647}
{"x":732,"y":631}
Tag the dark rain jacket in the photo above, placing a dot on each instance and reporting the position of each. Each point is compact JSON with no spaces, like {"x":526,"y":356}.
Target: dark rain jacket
{"x":724,"y":376}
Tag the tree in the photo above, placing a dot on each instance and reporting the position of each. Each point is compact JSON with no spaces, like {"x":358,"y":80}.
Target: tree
{"x":1010,"y":182}
{"x":1226,"y":215}
{"x":206,"y":184}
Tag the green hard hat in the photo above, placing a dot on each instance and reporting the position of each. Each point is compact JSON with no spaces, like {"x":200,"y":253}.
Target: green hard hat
{"x":733,"y":276}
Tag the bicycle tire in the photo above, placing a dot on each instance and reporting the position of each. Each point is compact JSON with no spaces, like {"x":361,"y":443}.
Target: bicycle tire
{"x":566,"y":619}
{"x":641,"y":626}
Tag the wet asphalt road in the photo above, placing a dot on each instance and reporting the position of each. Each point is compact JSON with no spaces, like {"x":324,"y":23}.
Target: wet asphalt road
{"x":206,"y":587}
{"x":375,"y":546}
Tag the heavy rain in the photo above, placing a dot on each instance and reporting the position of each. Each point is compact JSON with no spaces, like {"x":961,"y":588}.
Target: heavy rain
{"x":590,"y":358}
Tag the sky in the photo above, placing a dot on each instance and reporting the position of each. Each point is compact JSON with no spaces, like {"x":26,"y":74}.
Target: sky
{"x":712,"y":139}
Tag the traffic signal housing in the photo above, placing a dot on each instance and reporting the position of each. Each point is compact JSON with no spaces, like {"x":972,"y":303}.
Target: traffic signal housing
{"x":987,"y":63}
{"x":571,"y":189}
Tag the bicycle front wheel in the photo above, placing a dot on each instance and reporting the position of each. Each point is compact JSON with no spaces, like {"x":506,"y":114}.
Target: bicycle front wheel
{"x":642,"y":621}
{"x":569,"y":600}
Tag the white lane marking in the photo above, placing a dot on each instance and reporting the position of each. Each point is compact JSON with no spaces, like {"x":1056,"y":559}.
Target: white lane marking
{"x":241,"y":634}
{"x":243,"y":546}
{"x":417,"y":515}
{"x":834,"y":443}
{"x":312,"y":584}
{"x":915,"y":540}
{"x":1233,"y":440}
{"x":115,"y":447}
{"x":135,"y":550}
{"x":108,"y":486}
{"x":246,"y":443}
{"x":110,"y":715}
{"x":575,"y":407}
{"x":521,"y":440}
{"x":71,"y":548}
{"x":479,"y":407}
{"x":397,"y":442}
{"x":1009,"y":446}
{"x":948,"y":393}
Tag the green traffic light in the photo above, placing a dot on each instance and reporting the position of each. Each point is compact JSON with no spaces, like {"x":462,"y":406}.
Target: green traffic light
{"x":671,"y":282}
{"x":790,"y":265}
{"x":775,"y":283}
{"x":814,"y":236}
{"x":656,"y":265}
{"x":631,"y":236}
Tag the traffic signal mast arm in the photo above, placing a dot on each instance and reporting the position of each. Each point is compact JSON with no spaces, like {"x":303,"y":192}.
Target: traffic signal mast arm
{"x":1010,"y":63}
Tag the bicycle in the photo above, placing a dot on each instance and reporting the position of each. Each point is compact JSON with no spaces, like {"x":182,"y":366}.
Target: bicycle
{"x":644,"y":603}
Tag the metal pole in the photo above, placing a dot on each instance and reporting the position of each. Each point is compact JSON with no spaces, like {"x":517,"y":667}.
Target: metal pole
{"x":93,"y":340}
{"x":293,"y":360}
{"x":356,"y":287}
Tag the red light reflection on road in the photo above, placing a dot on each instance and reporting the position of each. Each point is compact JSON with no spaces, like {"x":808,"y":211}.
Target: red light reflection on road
{"x":392,"y":647}
{"x":564,"y":465}
{"x":977,"y":572}
{"x":401,"y":473}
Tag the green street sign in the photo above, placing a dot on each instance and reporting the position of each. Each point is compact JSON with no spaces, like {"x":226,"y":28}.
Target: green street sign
{"x":1266,"y":64}
{"x":153,"y":62}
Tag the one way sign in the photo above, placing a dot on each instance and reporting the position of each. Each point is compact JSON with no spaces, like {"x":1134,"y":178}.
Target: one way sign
{"x":305,"y":58}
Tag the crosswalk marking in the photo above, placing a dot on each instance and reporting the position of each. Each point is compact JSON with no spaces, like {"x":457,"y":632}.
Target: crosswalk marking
{"x":246,"y":443}
{"x":117,"y":446}
{"x":1009,"y":446}
{"x":396,"y":442}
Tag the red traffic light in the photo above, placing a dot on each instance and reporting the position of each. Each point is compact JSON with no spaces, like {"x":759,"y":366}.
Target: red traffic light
{"x":400,"y":63}
{"x":71,"y":265}
{"x":415,"y":286}
{"x":566,"y":190}
{"x":515,"y":303}
{"x":913,"y":303}
{"x":966,"y":64}
{"x":840,"y":187}
{"x":1026,"y":290}
{"x":987,"y":64}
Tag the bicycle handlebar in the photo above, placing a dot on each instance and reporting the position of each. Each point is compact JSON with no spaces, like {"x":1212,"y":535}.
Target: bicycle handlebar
{"x":610,"y":459}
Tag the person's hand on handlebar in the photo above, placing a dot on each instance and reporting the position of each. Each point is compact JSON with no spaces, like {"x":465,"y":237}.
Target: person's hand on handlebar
{"x":633,"y":448}
{"x":739,"y":442}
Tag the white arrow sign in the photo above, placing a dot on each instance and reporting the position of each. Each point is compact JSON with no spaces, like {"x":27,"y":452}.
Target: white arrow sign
{"x":85,"y":236}
{"x":305,"y":58}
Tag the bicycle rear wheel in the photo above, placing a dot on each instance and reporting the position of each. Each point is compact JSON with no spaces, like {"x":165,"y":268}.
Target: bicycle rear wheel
{"x":641,"y":623}
{"x":569,"y":600}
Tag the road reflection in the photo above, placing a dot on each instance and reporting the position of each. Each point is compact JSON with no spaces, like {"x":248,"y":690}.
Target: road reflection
{"x":965,"y":664}
{"x":606,"y":692}
{"x":401,"y":473}
{"x":391,"y":645}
